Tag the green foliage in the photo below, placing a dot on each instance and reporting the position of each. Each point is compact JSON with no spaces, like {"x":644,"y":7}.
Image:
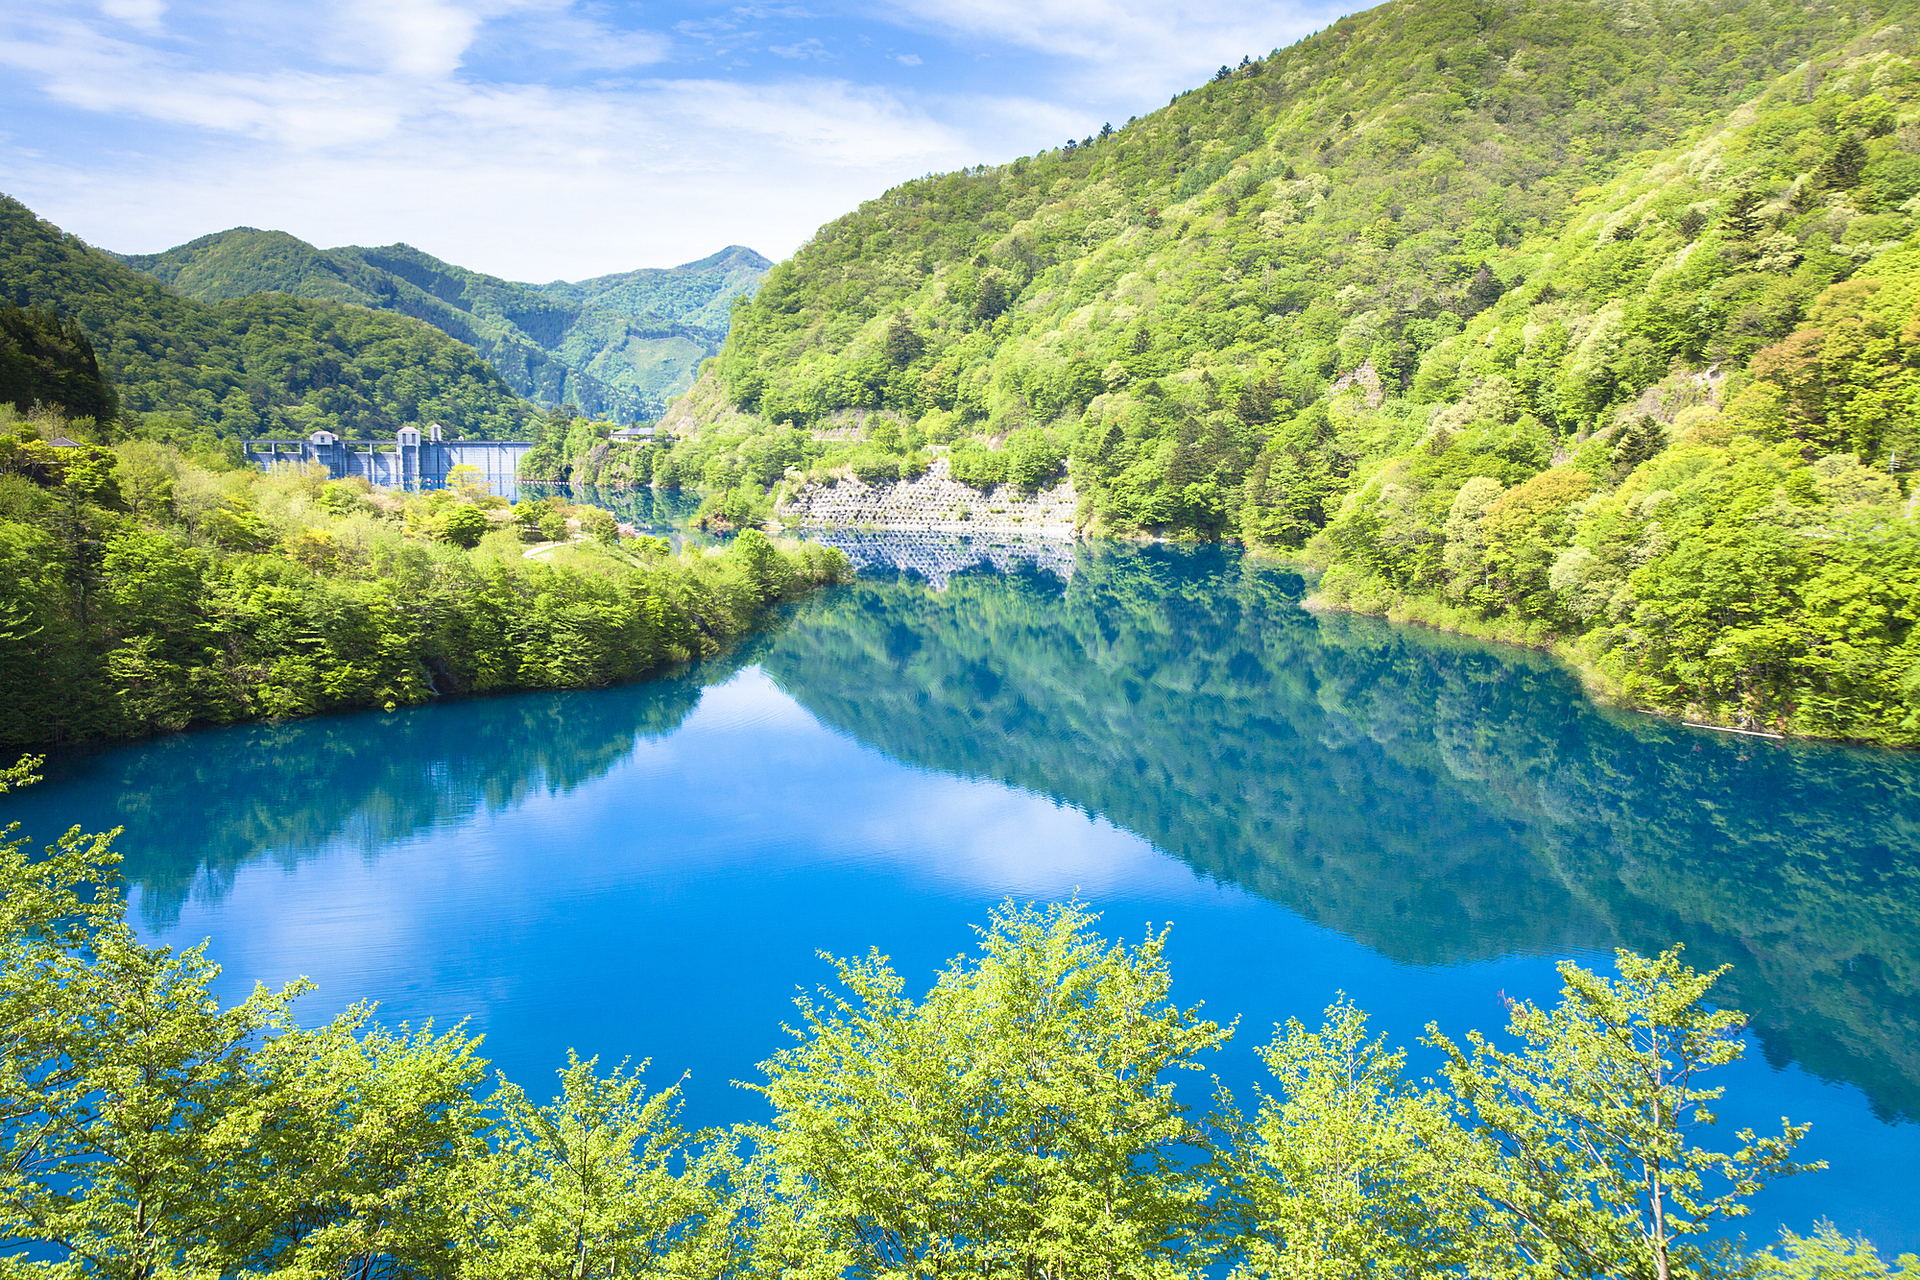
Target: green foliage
{"x":46,"y":360}
{"x":1488,"y":312}
{"x":264,"y":364}
{"x":143,"y":593}
{"x":1347,"y":1173}
{"x":465,"y":525}
{"x":589,"y":1185}
{"x":1829,"y":1255}
{"x":736,"y":508}
{"x":1017,"y":1120}
{"x":1588,"y":1165}
{"x":619,"y":346}
{"x":1168,"y":298}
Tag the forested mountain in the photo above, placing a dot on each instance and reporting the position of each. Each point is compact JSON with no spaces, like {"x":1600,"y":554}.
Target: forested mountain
{"x":45,"y":359}
{"x":264,"y":364}
{"x":697,"y":293}
{"x":617,"y":346}
{"x":1566,"y":322}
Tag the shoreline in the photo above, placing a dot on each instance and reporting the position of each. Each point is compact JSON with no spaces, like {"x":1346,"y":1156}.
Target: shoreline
{"x":1599,"y":686}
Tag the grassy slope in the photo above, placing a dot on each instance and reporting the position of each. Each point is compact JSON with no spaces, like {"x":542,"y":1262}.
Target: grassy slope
{"x":618,"y":346}
{"x":263,"y":364}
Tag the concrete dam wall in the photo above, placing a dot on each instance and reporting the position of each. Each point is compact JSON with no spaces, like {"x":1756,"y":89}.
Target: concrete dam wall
{"x":411,"y":462}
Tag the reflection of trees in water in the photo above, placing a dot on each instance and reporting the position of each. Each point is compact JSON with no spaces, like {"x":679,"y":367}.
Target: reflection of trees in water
{"x":665,"y":513}
{"x":370,"y":780}
{"x":1436,"y":799}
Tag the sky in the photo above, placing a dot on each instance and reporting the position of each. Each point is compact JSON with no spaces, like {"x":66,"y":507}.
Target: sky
{"x":563,"y":139}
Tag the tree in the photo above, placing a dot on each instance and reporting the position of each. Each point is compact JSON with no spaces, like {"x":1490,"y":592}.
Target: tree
{"x":464,"y":526}
{"x":1743,"y":221}
{"x":1584,"y":1162}
{"x":469,"y":481}
{"x":989,"y":298}
{"x":45,"y":359}
{"x":147,"y":1132}
{"x":599,"y":1182}
{"x":1842,"y":170}
{"x":1829,"y":1255}
{"x":1482,"y":291}
{"x":1018,"y":1120}
{"x":1345,"y":1175}
{"x":903,"y":344}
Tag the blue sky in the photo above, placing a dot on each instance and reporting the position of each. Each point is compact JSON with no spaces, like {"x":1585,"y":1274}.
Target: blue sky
{"x":544,"y":139}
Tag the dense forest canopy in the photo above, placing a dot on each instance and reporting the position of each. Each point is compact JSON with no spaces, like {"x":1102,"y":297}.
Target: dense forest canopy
{"x":47,"y":360}
{"x":265,"y":364}
{"x":617,"y":346}
{"x":1560,"y":324}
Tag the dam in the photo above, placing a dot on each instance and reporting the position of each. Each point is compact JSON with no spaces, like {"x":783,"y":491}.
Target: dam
{"x":410,"y":462}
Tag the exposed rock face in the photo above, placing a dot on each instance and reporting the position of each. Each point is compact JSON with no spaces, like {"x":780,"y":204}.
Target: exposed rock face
{"x":934,"y":503}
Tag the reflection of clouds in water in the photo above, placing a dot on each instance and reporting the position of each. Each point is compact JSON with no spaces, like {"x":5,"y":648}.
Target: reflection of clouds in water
{"x":750,"y":786}
{"x":756,"y":765}
{"x":999,"y":841}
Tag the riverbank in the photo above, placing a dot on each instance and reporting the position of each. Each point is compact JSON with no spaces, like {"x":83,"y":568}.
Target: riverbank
{"x":1610,"y":689}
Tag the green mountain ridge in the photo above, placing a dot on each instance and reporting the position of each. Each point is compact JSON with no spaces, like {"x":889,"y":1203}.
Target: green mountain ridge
{"x":1580,"y":324}
{"x":261,"y":364}
{"x":681,"y":293}
{"x":618,"y":346}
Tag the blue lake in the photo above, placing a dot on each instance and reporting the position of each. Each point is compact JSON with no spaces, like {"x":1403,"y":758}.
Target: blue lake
{"x":1318,"y":804}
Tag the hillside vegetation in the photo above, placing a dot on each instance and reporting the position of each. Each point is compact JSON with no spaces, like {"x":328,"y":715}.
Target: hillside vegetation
{"x":617,"y":346}
{"x":264,"y":364}
{"x":1554,"y":322}
{"x":141,"y":593}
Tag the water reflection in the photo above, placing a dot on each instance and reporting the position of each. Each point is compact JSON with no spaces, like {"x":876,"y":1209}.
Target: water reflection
{"x":1436,"y":800}
{"x":289,"y":791}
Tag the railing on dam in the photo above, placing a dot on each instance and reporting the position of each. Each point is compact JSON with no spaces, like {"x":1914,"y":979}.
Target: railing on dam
{"x":410,"y":462}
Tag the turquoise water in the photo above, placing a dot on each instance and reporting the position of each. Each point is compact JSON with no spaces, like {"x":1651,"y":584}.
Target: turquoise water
{"x":1317,"y":803}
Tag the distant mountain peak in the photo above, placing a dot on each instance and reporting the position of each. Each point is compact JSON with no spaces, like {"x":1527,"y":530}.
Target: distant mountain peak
{"x":619,"y":346}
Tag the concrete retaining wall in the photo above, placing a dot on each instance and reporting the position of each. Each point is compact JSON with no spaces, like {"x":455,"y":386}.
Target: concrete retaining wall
{"x":935,"y":503}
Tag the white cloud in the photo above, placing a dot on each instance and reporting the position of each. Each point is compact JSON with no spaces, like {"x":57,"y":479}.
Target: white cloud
{"x":464,"y":126}
{"x":1126,"y":47}
{"x":808,"y":48}
{"x":528,"y":182}
{"x":144,"y":14}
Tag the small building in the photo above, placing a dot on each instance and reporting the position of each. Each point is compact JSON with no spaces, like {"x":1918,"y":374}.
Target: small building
{"x":632,"y":435}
